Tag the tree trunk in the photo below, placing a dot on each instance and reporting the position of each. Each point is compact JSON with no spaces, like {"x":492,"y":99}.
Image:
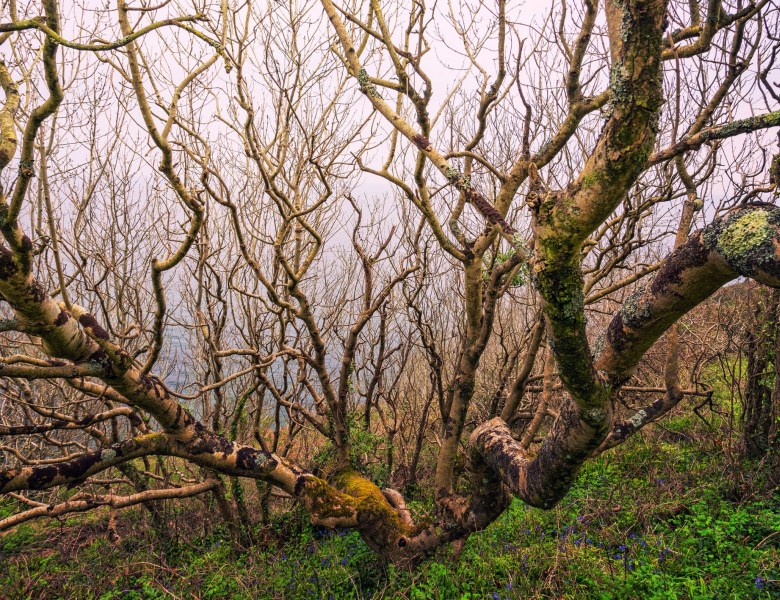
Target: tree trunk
{"x":759,"y":393}
{"x":774,"y":424}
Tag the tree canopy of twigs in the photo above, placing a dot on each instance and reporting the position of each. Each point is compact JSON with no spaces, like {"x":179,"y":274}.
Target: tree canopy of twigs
{"x":346,"y":248}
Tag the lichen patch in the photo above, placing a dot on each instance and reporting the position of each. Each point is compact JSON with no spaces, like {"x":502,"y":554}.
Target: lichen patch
{"x":638,"y":419}
{"x":746,"y":240}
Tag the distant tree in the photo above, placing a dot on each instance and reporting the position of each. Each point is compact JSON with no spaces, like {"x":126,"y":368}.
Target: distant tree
{"x":190,"y":268}
{"x":760,"y":343}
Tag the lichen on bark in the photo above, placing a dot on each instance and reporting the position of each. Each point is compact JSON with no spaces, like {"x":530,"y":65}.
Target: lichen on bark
{"x":745,"y":239}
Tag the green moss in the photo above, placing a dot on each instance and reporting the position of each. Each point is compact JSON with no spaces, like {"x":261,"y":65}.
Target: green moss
{"x":592,"y":179}
{"x":326,"y":501}
{"x":548,"y":204}
{"x":561,"y":285}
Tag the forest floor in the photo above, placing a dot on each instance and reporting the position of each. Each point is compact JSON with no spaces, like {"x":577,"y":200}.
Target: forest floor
{"x":671,"y":514}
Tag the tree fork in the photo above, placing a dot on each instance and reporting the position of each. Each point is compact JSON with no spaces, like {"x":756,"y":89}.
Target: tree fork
{"x":744,"y":242}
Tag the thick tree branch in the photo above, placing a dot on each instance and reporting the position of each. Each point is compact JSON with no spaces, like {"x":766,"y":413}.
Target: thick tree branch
{"x":744,"y":242}
{"x":85,"y":502}
{"x":720,"y":132}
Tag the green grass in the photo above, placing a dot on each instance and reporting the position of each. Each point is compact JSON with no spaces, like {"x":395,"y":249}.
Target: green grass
{"x":655,"y":519}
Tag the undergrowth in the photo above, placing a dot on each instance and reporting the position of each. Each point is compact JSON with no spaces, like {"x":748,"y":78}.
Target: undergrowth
{"x":667,"y":515}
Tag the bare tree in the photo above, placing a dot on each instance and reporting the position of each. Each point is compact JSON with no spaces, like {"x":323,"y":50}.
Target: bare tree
{"x":199,"y":278}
